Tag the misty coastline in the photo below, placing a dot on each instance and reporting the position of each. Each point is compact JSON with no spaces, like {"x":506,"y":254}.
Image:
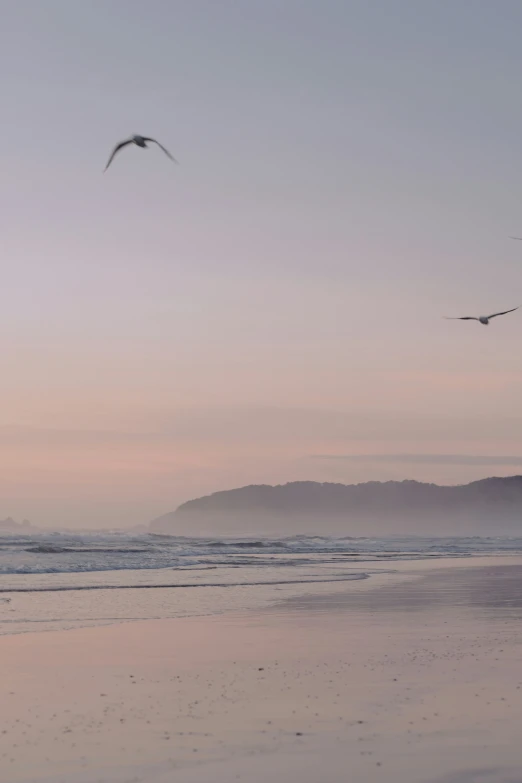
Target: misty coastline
{"x":491,"y":506}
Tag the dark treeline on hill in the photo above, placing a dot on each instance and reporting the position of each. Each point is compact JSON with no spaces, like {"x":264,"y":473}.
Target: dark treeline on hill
{"x":492,"y":506}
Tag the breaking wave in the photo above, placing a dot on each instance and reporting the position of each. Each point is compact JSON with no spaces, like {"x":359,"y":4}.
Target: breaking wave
{"x":74,"y":553}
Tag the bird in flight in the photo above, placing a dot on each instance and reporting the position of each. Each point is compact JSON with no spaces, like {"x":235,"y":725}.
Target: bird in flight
{"x":139,"y":141}
{"x":519,"y":238}
{"x":483,"y":319}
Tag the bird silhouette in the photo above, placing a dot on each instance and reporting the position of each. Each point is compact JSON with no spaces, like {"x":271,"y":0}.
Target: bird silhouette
{"x":483,"y":319}
{"x":139,"y":141}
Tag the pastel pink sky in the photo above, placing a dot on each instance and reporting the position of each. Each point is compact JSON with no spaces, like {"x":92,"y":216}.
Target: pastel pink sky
{"x":350,"y":173}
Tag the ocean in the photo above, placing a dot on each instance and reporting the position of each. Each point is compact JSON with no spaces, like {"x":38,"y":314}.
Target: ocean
{"x":65,"y":580}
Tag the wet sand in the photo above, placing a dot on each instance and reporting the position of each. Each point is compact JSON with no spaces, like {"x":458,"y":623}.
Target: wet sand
{"x":412,"y":676}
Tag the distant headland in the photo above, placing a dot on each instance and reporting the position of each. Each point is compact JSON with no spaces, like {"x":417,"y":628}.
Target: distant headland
{"x":491,"y":506}
{"x":9,"y":525}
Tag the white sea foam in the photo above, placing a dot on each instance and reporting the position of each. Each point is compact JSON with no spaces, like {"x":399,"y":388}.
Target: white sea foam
{"x":70,"y":553}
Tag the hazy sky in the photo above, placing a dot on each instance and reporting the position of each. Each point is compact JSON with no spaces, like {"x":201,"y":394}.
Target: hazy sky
{"x":350,"y":173}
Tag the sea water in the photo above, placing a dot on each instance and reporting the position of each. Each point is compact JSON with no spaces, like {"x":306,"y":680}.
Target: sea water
{"x":64,"y":580}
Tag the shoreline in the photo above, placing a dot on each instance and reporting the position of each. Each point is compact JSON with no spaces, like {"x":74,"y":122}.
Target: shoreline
{"x":56,"y":607}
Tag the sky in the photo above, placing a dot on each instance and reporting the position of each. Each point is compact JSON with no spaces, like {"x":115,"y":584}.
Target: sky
{"x":272,"y":308}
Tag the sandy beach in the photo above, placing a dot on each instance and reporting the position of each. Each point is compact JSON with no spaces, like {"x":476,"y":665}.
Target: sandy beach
{"x":416,"y":676}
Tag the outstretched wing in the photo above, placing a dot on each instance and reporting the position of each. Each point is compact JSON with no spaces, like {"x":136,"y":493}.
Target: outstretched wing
{"x":145,"y":138}
{"x":519,"y":238}
{"x":116,"y":149}
{"x":504,"y":312}
{"x":461,"y":318}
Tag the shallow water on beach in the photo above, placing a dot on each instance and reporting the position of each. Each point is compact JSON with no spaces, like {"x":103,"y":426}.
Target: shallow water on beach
{"x":63,"y":580}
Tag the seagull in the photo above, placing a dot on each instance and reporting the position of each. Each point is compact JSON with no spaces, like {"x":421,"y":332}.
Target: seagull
{"x":139,"y":141}
{"x":483,"y":319}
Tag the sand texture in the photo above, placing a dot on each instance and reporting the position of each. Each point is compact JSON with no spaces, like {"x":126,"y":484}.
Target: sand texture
{"x":414,"y":678}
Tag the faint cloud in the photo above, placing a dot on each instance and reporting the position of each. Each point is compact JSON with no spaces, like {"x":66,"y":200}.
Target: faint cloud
{"x":426,"y":459}
{"x":35,"y":436}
